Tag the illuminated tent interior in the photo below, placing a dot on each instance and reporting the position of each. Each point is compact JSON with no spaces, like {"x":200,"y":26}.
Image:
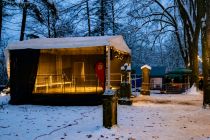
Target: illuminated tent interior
{"x":70,"y":66}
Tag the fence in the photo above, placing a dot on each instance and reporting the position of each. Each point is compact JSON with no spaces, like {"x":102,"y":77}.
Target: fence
{"x":176,"y":87}
{"x":62,"y":84}
{"x":88,"y":83}
{"x":46,"y":83}
{"x":136,"y":81}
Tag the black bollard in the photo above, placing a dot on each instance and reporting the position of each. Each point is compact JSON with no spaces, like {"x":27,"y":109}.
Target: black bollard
{"x":109,"y":108}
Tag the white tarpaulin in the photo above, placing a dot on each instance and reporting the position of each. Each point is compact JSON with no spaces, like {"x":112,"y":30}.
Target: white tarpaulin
{"x":71,"y":42}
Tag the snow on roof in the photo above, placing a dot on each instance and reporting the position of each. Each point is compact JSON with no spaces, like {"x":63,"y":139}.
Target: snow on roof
{"x":156,"y":71}
{"x":146,"y":66}
{"x":71,"y":42}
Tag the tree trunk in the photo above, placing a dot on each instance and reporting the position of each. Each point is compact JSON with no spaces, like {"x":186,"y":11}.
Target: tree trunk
{"x":48,"y":23}
{"x":55,"y":32}
{"x":102,"y":18}
{"x":113,"y":18}
{"x":1,"y":18}
{"x":23,"y":25}
{"x":88,"y":18}
{"x":184,"y":54}
{"x":206,"y":56}
{"x":192,"y":33}
{"x":195,"y":68}
{"x":198,"y":26}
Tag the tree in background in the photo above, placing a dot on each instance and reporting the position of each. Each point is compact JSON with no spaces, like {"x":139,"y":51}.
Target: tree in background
{"x":88,"y":17}
{"x":3,"y":14}
{"x":46,"y":15}
{"x":1,"y":18}
{"x":206,"y":53}
{"x":159,"y":22}
{"x":24,"y":15}
{"x":3,"y":41}
{"x":81,"y":12}
{"x":105,"y":20}
{"x":182,"y":18}
{"x":191,"y":13}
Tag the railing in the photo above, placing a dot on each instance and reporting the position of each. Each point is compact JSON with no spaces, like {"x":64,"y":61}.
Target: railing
{"x":115,"y":80}
{"x":136,"y":81}
{"x":62,"y":84}
{"x":88,"y":83}
{"x":176,"y":87}
{"x":168,"y":87}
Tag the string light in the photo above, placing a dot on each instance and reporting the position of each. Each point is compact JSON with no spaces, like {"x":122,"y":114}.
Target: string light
{"x":119,"y":55}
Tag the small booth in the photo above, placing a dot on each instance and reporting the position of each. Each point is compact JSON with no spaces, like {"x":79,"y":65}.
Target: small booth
{"x":75,"y":65}
{"x":177,"y":81}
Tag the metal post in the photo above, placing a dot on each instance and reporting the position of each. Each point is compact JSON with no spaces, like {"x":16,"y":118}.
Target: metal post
{"x":108,"y":78}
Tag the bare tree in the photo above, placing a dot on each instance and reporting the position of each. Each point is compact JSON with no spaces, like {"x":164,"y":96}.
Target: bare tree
{"x":183,"y":18}
{"x":88,"y":17}
{"x":113,"y":17}
{"x":3,"y":3}
{"x":165,"y":20}
{"x":23,"y":24}
{"x":191,"y":12}
{"x":1,"y":18}
{"x":206,"y":53}
{"x":49,"y":8}
{"x":32,"y":10}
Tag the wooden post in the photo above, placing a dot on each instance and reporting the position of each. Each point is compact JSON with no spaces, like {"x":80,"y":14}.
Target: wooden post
{"x":145,"y":86}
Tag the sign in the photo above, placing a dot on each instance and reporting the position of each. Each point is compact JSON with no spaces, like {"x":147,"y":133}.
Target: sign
{"x":99,"y":70}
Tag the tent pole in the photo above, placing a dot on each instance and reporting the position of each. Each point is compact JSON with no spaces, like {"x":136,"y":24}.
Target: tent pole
{"x":108,"y":79}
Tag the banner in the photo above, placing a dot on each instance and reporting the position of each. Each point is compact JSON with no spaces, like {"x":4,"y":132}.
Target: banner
{"x":100,"y":73}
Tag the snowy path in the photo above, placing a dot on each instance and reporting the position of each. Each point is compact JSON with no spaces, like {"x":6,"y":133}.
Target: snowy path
{"x":163,"y":117}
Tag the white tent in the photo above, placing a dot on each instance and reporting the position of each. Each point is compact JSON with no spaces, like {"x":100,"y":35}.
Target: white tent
{"x":72,"y":42}
{"x":117,"y":42}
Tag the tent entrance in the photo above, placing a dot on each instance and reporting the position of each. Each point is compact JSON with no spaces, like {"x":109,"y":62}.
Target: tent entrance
{"x":61,"y":71}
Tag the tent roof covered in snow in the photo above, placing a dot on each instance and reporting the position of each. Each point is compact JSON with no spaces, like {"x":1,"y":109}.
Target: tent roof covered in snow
{"x":181,"y":71}
{"x":72,"y":42}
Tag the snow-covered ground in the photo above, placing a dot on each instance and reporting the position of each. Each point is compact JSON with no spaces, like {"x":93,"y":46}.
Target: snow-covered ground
{"x":159,"y":116}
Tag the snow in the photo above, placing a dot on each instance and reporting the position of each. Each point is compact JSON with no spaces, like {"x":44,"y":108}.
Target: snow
{"x":193,"y":91}
{"x":146,"y":66}
{"x":71,"y":42}
{"x":4,"y":99}
{"x":159,"y":116}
